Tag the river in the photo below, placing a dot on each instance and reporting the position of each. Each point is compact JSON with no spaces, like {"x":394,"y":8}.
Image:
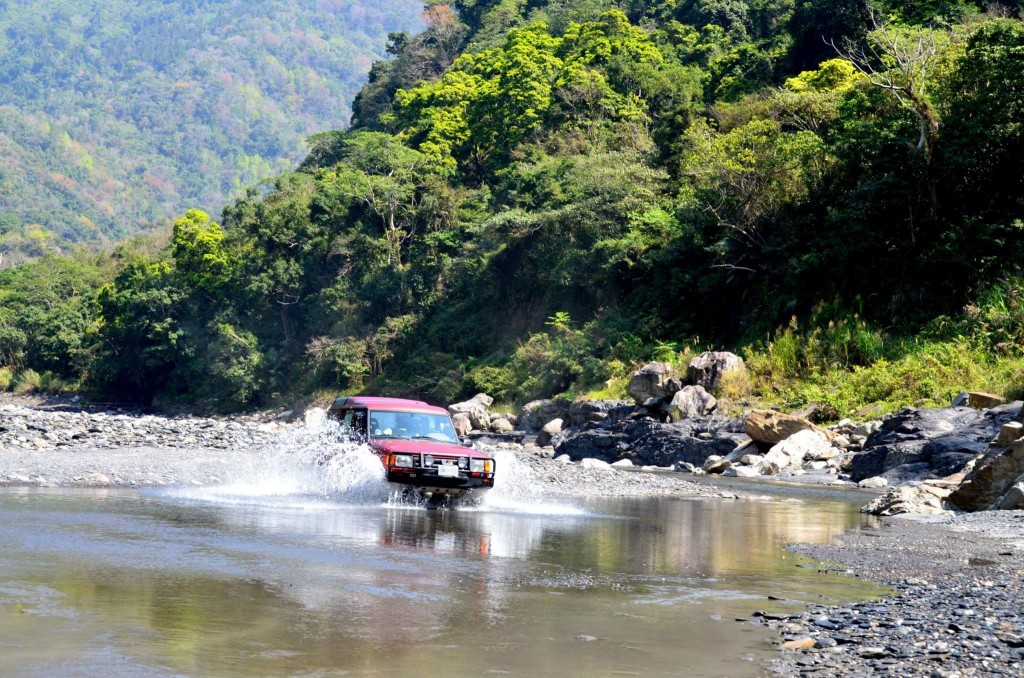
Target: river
{"x":240,"y":581}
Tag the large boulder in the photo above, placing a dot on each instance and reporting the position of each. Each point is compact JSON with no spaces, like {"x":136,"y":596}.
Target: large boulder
{"x":549,"y":431}
{"x":692,"y":401}
{"x":805,"y":444}
{"x":476,"y":409}
{"x":646,"y":442}
{"x":923,"y":498}
{"x":928,"y":442}
{"x":536,"y":413}
{"x":940,"y":457}
{"x":770,"y":427}
{"x":583,"y":411}
{"x":501,"y":425}
{"x":990,"y":479}
{"x":462,"y":424}
{"x":1013,"y":500}
{"x":707,"y":369}
{"x":979,"y":400}
{"x":650,"y":381}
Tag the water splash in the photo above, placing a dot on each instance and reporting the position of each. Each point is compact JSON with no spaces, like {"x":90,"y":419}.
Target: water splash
{"x":517,"y":490}
{"x":302,"y":464}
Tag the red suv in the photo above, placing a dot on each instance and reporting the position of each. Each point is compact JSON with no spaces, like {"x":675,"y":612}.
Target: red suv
{"x":417,"y":444}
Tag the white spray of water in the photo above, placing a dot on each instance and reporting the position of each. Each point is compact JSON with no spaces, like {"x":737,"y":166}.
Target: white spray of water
{"x":304,"y":464}
{"x":516,"y":489}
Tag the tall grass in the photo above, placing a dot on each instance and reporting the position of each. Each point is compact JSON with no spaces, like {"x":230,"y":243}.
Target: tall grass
{"x":28,"y":381}
{"x":6,"y":378}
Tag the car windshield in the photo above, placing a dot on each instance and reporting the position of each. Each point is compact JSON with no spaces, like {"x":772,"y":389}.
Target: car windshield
{"x":412,"y":425}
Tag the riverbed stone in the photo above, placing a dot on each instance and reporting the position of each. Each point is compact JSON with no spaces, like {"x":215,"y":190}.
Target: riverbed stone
{"x":1013,"y":500}
{"x":794,"y":450}
{"x":592,"y":463}
{"x":1009,"y":432}
{"x":874,"y":483}
{"x":907,"y":499}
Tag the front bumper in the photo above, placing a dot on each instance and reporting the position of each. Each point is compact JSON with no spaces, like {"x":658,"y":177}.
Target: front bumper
{"x":428,"y":479}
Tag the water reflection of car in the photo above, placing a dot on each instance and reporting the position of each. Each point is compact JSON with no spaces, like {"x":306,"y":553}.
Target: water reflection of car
{"x":416,"y":443}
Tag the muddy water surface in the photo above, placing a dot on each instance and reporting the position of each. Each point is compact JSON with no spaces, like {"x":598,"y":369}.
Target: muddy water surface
{"x":230,"y":583}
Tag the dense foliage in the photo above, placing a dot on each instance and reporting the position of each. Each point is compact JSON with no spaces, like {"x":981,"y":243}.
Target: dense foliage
{"x":536,"y":195}
{"x":115,"y":116}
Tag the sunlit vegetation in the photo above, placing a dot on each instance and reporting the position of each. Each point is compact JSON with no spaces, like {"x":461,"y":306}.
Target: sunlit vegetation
{"x":537,"y":196}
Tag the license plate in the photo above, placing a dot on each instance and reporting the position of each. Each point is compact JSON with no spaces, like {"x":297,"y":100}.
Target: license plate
{"x":448,"y":471}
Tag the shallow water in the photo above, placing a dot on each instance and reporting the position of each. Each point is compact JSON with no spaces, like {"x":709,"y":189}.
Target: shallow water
{"x":248,"y":580}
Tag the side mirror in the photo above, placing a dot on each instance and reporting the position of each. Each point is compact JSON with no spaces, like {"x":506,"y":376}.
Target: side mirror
{"x":465,"y":442}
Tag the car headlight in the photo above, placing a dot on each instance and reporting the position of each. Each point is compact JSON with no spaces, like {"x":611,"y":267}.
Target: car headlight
{"x":428,"y":460}
{"x":401,"y":460}
{"x":463,"y":462}
{"x":481,"y":465}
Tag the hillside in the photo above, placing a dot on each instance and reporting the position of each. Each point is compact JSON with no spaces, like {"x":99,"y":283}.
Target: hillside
{"x":538,"y":196}
{"x":116,"y":115}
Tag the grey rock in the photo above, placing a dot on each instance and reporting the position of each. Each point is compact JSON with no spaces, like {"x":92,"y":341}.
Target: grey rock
{"x":649,"y":382}
{"x":595,"y":464}
{"x":691,"y":401}
{"x":708,"y":369}
{"x":875,"y":482}
{"x":648,"y":442}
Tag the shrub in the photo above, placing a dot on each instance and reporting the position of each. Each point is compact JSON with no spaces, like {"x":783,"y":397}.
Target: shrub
{"x":28,"y":381}
{"x":6,"y":377}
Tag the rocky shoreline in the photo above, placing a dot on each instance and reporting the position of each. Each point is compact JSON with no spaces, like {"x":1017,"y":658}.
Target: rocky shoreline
{"x":956,"y":607}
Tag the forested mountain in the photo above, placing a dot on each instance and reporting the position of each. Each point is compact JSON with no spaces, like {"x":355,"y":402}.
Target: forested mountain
{"x":116,"y":115}
{"x":537,"y":195}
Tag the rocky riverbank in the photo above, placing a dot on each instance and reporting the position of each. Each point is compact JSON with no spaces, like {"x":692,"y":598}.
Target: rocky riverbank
{"x":957,"y":607}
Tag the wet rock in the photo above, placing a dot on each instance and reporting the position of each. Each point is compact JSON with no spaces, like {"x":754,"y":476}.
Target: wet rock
{"x":583,"y":411}
{"x":691,"y":401}
{"x":931,"y":442}
{"x":648,"y":442}
{"x":770,"y":427}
